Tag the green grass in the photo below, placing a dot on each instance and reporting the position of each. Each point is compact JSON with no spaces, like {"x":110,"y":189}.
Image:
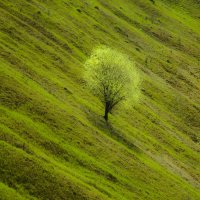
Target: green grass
{"x":54,"y":142}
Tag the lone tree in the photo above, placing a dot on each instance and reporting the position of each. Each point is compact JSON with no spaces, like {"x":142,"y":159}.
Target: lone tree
{"x":112,"y":77}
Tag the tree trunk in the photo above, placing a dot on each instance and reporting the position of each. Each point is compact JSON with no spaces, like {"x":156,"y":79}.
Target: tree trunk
{"x":107,"y":105}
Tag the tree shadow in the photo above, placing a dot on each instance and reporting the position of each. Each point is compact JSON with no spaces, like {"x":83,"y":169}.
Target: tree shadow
{"x":109,"y":129}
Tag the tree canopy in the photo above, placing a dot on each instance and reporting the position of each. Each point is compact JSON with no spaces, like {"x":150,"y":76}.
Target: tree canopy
{"x":111,"y":76}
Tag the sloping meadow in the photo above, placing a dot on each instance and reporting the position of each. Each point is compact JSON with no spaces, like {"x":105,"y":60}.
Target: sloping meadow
{"x":54,"y":142}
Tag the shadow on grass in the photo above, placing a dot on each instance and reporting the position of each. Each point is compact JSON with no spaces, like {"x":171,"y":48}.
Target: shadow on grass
{"x":109,"y":129}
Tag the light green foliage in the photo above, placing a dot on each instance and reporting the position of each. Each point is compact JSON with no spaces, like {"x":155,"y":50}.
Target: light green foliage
{"x":54,"y":144}
{"x":112,"y":76}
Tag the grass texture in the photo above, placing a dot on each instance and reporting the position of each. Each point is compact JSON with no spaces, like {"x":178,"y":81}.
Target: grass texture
{"x":54,"y":142}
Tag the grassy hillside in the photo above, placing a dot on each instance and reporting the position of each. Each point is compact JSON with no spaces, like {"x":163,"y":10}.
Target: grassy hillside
{"x":54,"y":142}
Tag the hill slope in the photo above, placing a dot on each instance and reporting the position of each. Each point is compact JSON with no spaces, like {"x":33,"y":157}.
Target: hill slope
{"x":54,"y":143}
